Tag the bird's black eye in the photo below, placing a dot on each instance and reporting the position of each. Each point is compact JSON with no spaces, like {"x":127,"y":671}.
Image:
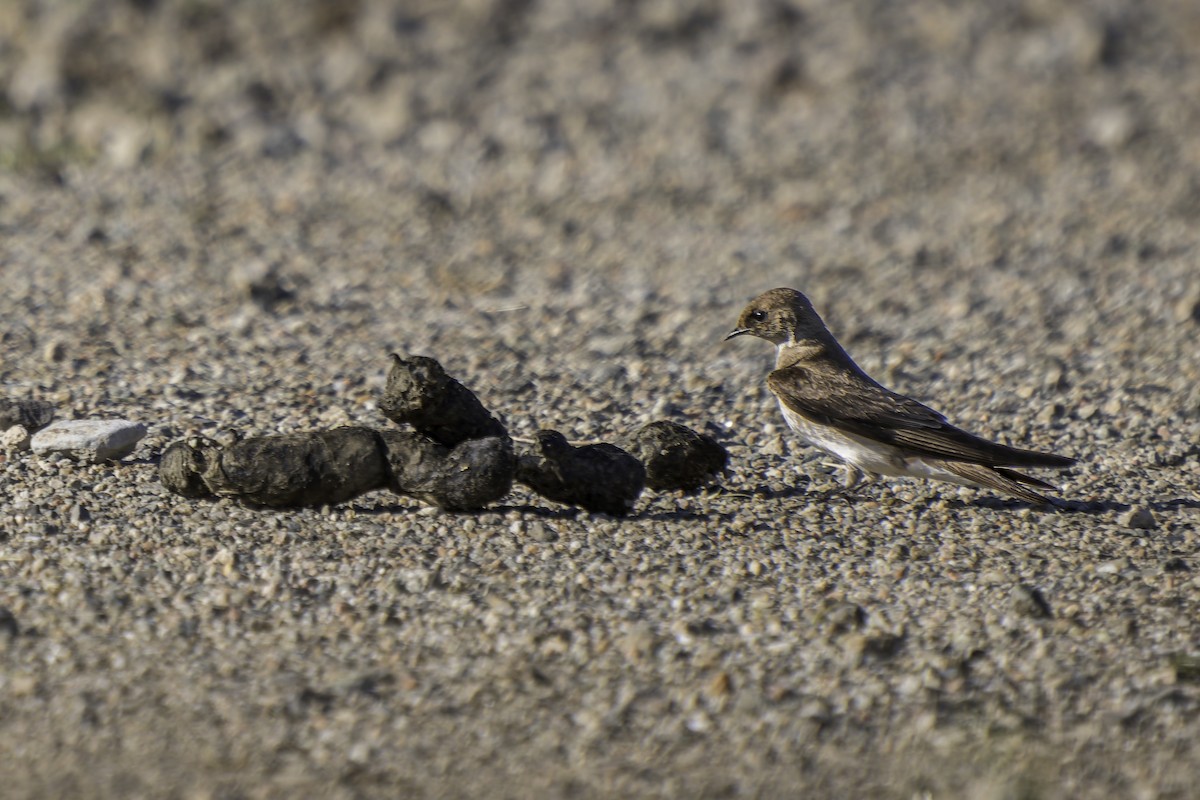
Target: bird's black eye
{"x":758,"y":315}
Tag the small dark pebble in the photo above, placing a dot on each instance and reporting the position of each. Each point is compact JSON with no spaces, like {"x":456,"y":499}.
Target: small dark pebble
{"x":33,"y":415}
{"x":598,"y":477}
{"x":882,"y":645}
{"x":269,"y":290}
{"x":8,"y":623}
{"x":841,"y":617}
{"x":1029,"y":602}
{"x":1187,"y":667}
{"x":676,"y":457}
{"x":79,"y":514}
{"x":421,"y":394}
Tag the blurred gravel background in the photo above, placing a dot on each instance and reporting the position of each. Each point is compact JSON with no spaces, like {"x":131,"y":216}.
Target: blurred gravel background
{"x":220,"y":216}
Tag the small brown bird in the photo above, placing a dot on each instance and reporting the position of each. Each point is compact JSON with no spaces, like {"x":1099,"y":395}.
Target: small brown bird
{"x":831,"y":402}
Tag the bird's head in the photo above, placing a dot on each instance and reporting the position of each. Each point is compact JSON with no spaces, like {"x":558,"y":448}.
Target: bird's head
{"x":781,"y":316}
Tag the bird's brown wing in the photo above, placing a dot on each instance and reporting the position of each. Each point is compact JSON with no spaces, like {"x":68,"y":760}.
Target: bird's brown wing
{"x":855,"y":404}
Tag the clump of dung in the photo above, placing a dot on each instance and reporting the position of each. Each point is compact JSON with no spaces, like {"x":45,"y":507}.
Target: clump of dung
{"x":598,"y":477}
{"x":465,"y":477}
{"x":329,"y":467}
{"x":182,"y":465}
{"x":420,"y":393}
{"x":676,"y":457}
{"x":458,"y":456}
{"x":299,"y":469}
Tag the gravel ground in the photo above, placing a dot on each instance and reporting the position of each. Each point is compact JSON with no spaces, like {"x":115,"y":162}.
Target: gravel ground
{"x":220,"y":218}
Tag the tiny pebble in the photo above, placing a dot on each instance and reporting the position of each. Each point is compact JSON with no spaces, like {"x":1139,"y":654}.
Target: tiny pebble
{"x":15,"y":438}
{"x":1138,"y":518}
{"x":1028,"y":601}
{"x":54,"y":351}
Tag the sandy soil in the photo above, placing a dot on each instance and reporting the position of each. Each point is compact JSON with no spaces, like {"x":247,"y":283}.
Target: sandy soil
{"x":220,"y":218}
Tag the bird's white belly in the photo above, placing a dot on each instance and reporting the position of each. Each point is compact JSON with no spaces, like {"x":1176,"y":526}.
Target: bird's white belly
{"x":867,"y":455}
{"x":862,"y":453}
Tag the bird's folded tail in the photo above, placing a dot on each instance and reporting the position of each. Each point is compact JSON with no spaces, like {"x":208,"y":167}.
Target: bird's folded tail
{"x":1002,"y":479}
{"x":1032,"y":458}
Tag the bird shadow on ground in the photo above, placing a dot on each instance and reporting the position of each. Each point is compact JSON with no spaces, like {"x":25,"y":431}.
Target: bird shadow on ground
{"x":1175,"y":505}
{"x":769,"y":493}
{"x":1076,"y":506}
{"x":1009,"y":504}
{"x":756,"y":494}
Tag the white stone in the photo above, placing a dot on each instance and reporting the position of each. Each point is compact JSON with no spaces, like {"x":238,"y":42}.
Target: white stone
{"x":1111,"y":127}
{"x":90,"y":439}
{"x":15,"y":438}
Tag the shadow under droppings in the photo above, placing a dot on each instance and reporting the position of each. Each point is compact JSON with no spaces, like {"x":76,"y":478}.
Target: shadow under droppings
{"x":763,"y":492}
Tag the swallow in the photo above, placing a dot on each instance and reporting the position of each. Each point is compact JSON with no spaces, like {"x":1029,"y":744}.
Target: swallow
{"x":833,"y":404}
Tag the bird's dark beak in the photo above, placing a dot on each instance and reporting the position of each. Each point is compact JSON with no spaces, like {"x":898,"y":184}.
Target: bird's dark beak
{"x":736,"y":332}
